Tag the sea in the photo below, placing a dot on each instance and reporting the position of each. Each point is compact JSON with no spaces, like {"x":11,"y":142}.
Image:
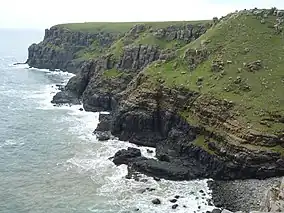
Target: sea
{"x":50,"y":160}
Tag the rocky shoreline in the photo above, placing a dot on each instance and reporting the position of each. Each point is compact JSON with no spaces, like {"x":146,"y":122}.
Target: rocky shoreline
{"x":196,"y":135}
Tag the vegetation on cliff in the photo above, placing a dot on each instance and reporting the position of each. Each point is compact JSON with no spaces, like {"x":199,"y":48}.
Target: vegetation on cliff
{"x":223,"y":77}
{"x":242,"y":63}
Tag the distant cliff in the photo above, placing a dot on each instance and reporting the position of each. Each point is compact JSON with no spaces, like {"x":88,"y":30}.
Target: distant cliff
{"x":65,"y":49}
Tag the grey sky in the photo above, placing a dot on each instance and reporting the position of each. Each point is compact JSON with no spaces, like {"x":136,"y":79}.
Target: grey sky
{"x":43,"y":14}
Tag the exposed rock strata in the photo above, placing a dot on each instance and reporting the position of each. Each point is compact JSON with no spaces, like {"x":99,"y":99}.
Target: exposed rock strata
{"x":59,"y":48}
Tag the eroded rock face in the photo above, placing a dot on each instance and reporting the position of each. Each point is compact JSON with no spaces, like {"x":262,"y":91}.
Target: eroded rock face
{"x":185,"y":33}
{"x":140,"y":119}
{"x":59,"y":47}
{"x":137,"y":57}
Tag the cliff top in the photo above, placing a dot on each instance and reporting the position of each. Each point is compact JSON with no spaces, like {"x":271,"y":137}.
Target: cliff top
{"x":239,"y":60}
{"x":121,"y":27}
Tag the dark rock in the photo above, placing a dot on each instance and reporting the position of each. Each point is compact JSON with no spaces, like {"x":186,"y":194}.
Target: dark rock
{"x":216,"y":211}
{"x":60,"y":87}
{"x":104,"y":122}
{"x":201,"y":191}
{"x":57,"y":50}
{"x":103,"y":136}
{"x":81,"y":109}
{"x":150,"y":189}
{"x":157,"y":179}
{"x":174,"y":206}
{"x":177,"y":197}
{"x":65,"y":97}
{"x":173,"y":200}
{"x":161,"y":169}
{"x":19,"y":63}
{"x":156,"y":201}
{"x":150,"y":151}
{"x":136,"y":210}
{"x":125,"y":156}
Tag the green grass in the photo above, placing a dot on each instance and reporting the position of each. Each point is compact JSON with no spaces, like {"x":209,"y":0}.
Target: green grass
{"x":120,"y":27}
{"x":201,"y":142}
{"x":228,"y":41}
{"x":112,"y":73}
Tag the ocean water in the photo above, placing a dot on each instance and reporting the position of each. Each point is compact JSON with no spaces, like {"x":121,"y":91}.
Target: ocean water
{"x":49,"y":159}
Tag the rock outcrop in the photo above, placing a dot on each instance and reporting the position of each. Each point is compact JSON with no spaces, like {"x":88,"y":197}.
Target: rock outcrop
{"x":61,"y":47}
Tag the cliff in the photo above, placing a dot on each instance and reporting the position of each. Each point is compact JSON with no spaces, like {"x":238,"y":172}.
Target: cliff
{"x":207,"y":95}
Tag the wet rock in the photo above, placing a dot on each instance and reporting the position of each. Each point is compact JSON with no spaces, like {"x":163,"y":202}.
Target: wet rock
{"x":103,"y":136}
{"x":150,"y":189}
{"x":161,"y":169}
{"x":150,"y":151}
{"x":60,"y":86}
{"x":174,"y":206}
{"x":157,"y":179}
{"x":104,"y":122}
{"x":125,"y":156}
{"x":156,"y":201}
{"x":173,"y":200}
{"x":216,"y":211}
{"x":65,"y":97}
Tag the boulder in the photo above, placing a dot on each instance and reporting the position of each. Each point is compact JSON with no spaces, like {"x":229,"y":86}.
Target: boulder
{"x":126,"y":156}
{"x":65,"y":97}
{"x":156,"y":201}
{"x":161,"y":169}
{"x":103,"y":136}
{"x":174,"y":206}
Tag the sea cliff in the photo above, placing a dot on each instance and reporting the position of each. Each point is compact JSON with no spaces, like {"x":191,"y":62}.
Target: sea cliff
{"x":208,"y":95}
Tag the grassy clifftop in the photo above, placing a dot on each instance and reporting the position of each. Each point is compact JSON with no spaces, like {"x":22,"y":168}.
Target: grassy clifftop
{"x":121,"y":27}
{"x":240,"y":60}
{"x":126,"y":33}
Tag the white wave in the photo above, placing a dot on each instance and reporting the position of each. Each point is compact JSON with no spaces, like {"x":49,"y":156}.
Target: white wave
{"x":18,"y":66}
{"x":93,"y":158}
{"x":124,"y":193}
{"x":45,"y":93}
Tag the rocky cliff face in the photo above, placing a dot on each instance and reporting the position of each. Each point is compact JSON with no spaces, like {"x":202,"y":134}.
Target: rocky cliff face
{"x":164,"y":87}
{"x":61,"y":48}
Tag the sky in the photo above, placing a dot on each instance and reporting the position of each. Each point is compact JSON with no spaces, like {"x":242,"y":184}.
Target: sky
{"x":41,"y":14}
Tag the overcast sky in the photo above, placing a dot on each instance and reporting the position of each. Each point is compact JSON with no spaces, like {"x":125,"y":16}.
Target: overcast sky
{"x":43,"y":14}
